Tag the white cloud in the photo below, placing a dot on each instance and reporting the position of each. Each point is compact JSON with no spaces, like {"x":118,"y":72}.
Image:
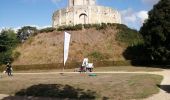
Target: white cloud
{"x":150,"y":2}
{"x":142,"y":15}
{"x":134,"y":19}
{"x":128,"y":15}
{"x":1,"y":29}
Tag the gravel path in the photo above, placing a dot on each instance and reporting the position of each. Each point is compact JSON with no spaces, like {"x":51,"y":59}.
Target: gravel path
{"x":3,"y":96}
{"x":164,"y":93}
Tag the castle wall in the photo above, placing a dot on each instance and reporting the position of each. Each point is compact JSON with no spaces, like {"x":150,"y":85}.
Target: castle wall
{"x":85,"y":15}
{"x":81,"y":2}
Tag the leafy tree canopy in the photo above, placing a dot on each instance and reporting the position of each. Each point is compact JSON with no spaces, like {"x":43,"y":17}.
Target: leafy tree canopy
{"x":156,"y":32}
{"x":8,"y":41}
{"x":25,"y":32}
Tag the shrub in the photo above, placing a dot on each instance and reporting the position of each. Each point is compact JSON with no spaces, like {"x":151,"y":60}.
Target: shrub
{"x":102,"y":26}
{"x":87,"y":26}
{"x":6,"y":57}
{"x":25,"y":32}
{"x":46,"y":30}
{"x":70,"y":28}
{"x":80,"y":26}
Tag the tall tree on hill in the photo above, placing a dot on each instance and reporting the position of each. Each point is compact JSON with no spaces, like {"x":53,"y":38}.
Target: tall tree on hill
{"x":156,"y":32}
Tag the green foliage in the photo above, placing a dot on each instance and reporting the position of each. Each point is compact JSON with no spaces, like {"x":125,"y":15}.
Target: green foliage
{"x":156,"y":32}
{"x":97,"y":26}
{"x":70,"y":28}
{"x":46,"y":30}
{"x":69,"y":65}
{"x":3,"y":43}
{"x":135,"y":53}
{"x":102,"y":26}
{"x":25,"y":32}
{"x":85,"y":26}
{"x":6,"y":57}
{"x":133,"y":39}
{"x":88,"y":26}
{"x":129,"y":36}
{"x":8,"y":41}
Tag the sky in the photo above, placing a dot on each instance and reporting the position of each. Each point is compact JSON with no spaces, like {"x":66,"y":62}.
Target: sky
{"x":17,"y":13}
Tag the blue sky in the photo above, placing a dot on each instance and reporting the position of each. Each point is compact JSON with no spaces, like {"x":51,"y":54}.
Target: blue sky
{"x":18,"y":13}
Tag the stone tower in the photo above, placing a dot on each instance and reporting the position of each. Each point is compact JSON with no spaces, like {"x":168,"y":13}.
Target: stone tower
{"x":85,"y":12}
{"x":81,"y":2}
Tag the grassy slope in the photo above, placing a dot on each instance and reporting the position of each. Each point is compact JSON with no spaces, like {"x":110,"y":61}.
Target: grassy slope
{"x":109,"y":43}
{"x":48,"y":47}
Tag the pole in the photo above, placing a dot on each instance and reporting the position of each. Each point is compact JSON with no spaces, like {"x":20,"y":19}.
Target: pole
{"x":63,"y":53}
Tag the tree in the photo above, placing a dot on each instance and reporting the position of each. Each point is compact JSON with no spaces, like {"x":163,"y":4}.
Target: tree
{"x":25,"y":32}
{"x":156,"y":32}
{"x":8,"y":41}
{"x":3,"y":42}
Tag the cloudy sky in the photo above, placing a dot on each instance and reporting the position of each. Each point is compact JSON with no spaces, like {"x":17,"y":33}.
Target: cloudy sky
{"x":17,"y":13}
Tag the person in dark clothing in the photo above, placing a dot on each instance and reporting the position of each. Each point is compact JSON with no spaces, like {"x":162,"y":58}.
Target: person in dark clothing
{"x":9,"y":69}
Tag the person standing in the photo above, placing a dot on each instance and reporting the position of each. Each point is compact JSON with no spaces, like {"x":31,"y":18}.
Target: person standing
{"x":9,"y":69}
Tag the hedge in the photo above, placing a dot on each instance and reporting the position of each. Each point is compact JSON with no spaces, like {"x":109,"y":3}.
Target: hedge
{"x":68,"y":65}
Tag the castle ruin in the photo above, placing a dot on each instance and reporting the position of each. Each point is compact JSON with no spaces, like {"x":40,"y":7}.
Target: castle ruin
{"x":85,"y":12}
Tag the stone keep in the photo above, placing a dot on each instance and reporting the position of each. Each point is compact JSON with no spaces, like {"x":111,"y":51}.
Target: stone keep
{"x":85,"y":12}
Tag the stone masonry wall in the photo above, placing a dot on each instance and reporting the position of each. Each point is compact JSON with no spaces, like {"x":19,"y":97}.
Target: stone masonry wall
{"x":85,"y":15}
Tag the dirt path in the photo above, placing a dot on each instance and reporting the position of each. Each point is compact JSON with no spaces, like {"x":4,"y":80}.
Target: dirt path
{"x":164,"y":93}
{"x":3,"y":96}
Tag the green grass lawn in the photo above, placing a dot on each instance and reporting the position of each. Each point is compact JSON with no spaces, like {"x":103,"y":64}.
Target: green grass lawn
{"x":79,"y":86}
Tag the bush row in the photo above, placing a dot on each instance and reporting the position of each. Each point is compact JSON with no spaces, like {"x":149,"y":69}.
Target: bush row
{"x":86,"y":26}
{"x":68,"y":65}
{"x":96,"y":64}
{"x":70,"y":28}
{"x":46,"y":30}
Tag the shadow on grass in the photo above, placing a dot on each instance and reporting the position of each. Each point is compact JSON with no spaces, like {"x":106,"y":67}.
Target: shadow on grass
{"x":165,"y":88}
{"x":54,"y":91}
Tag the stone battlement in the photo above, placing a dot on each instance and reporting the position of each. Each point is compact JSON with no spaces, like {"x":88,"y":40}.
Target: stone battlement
{"x":79,"y":12}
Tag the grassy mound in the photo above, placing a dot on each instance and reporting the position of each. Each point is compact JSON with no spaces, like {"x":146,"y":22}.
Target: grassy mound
{"x":105,"y":42}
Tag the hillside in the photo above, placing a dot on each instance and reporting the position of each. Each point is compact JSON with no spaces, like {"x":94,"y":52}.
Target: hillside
{"x":95,"y":44}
